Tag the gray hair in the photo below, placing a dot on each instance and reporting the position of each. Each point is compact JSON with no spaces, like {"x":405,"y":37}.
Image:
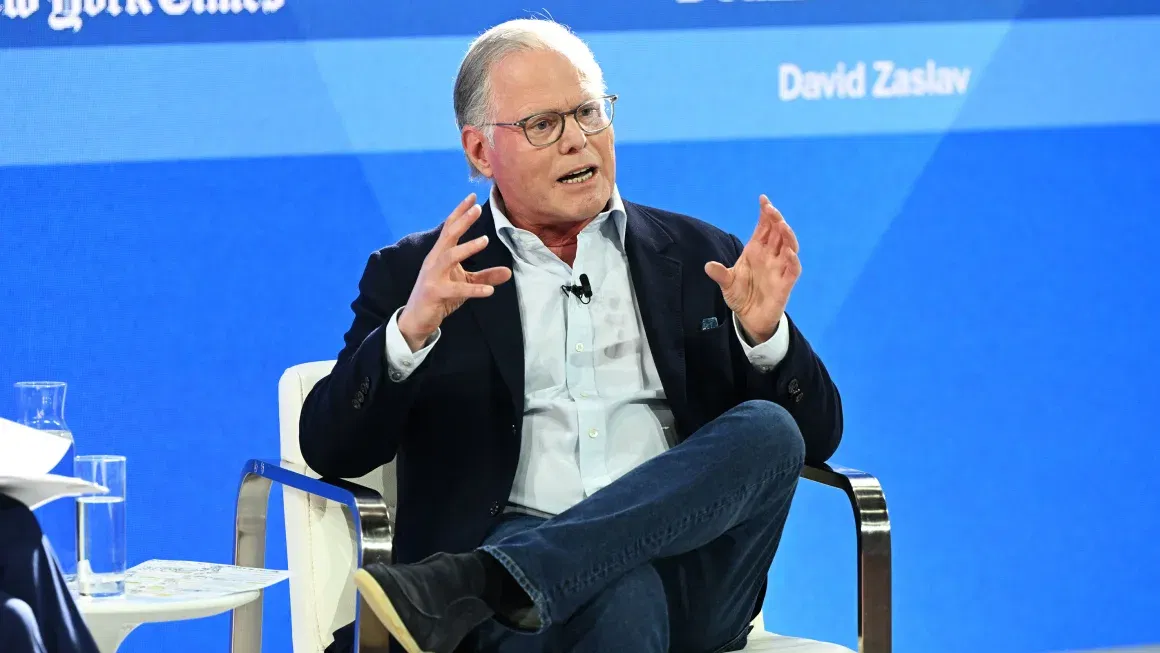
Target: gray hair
{"x":474,"y":104}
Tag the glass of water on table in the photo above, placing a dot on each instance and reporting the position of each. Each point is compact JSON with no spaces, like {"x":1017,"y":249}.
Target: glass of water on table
{"x":101,"y":555}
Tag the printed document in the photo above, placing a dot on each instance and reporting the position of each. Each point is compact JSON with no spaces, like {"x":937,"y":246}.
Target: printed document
{"x":26,"y":458}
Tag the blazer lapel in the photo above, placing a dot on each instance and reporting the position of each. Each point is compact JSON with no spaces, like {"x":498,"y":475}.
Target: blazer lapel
{"x":656,"y":278}
{"x":499,"y":315}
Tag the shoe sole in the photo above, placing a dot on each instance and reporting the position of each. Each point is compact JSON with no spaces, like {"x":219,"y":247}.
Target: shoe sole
{"x":380,"y":604}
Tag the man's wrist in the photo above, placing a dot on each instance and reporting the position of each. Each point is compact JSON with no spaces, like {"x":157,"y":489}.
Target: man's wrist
{"x":414,"y":341}
{"x":758,"y":337}
{"x":768,"y":354}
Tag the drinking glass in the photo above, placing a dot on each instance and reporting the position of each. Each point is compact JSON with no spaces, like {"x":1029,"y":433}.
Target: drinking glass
{"x":101,"y":527}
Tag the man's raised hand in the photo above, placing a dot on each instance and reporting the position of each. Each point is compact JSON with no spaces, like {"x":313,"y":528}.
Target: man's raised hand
{"x":443,"y":285}
{"x":758,"y":285}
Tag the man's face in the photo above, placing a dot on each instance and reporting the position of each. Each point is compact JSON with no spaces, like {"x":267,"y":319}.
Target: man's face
{"x":529,"y":177}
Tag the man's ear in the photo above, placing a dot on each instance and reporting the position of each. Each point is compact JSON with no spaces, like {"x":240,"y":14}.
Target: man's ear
{"x":477,"y":149}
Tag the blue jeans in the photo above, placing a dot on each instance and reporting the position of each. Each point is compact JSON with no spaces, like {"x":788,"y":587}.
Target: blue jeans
{"x":37,"y":613}
{"x":673,"y":556}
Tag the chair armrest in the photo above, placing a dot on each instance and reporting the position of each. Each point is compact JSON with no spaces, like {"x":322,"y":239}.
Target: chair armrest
{"x":366,"y":512}
{"x":873,"y":523}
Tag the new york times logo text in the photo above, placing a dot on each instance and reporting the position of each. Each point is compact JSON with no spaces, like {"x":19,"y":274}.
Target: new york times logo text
{"x":71,"y":14}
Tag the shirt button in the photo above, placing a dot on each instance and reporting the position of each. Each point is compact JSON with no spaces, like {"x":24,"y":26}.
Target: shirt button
{"x":407,"y":363}
{"x":593,"y":433}
{"x":584,"y":395}
{"x":579,"y":346}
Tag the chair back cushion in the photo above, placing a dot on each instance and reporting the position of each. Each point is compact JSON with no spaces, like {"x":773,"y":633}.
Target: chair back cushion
{"x":319,"y":542}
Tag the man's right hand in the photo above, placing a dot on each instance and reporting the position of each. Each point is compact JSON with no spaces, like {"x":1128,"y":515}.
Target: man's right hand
{"x":443,"y":285}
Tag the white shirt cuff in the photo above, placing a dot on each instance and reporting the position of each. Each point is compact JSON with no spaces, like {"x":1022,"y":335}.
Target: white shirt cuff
{"x":768,"y":354}
{"x":401,"y":361}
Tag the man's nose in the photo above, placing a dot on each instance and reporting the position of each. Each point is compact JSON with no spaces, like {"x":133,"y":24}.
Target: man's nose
{"x":573,"y":137}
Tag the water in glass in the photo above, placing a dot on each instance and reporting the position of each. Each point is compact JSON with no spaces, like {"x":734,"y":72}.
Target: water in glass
{"x":101,"y":545}
{"x":101,"y":527}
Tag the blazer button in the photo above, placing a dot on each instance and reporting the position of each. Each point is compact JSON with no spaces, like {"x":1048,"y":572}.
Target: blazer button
{"x":794,"y":387}
{"x":355,"y":403}
{"x":494,"y":509}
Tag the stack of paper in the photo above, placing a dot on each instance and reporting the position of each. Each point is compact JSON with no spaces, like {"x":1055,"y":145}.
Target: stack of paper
{"x":181,"y":579}
{"x":26,"y":458}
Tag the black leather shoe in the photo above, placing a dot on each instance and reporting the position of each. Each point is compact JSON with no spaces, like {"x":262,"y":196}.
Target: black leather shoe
{"x":429,"y":607}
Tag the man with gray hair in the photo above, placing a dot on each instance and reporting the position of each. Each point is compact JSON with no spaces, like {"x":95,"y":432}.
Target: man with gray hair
{"x":598,"y":452}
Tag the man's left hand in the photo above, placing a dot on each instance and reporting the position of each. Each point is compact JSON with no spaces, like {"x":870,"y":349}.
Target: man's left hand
{"x":757,"y":287}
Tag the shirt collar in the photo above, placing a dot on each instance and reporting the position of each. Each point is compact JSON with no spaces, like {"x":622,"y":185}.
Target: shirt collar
{"x":505,"y":229}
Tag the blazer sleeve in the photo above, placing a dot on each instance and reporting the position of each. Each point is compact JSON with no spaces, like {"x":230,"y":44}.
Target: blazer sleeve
{"x":353,"y":419}
{"x":801,"y":384}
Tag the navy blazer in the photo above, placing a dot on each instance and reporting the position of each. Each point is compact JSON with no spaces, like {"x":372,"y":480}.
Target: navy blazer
{"x":455,"y":423}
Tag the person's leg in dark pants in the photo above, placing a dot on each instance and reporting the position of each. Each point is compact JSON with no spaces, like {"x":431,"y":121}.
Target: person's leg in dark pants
{"x":734,"y":479}
{"x":698,"y":602}
{"x":631,"y":614}
{"x":19,"y":632}
{"x":713,"y":591}
{"x":32,"y":589}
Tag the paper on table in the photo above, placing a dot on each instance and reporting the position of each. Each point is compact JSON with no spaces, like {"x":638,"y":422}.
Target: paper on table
{"x":180,"y":578}
{"x":25,"y":451}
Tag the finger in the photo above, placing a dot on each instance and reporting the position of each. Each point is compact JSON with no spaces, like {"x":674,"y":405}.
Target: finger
{"x":462,"y":290}
{"x":459,"y":220}
{"x":464,"y":251}
{"x":761,"y":231}
{"x":789,"y":237}
{"x":792,"y":265}
{"x":722,"y":275}
{"x":773,"y":220}
{"x":770,"y":211}
{"x":462,"y":223}
{"x":775,"y":242}
{"x":465,"y":204}
{"x":490,"y":276}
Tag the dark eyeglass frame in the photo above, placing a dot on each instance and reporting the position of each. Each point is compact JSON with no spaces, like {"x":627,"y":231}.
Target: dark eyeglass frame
{"x":523,"y":124}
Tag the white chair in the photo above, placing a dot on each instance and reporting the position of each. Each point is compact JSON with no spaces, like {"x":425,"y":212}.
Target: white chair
{"x":333,"y":526}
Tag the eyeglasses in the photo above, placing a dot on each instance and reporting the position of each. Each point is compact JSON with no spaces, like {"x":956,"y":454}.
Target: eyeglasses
{"x":543,"y":129}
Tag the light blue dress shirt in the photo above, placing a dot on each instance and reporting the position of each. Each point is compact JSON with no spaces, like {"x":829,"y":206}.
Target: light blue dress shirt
{"x":594,"y":407}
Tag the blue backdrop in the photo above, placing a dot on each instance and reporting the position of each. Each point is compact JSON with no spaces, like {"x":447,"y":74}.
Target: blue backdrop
{"x":188,"y":195}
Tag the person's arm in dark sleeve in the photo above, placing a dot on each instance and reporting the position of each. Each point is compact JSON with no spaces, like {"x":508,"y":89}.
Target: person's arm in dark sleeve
{"x":353,"y":419}
{"x":786,"y":371}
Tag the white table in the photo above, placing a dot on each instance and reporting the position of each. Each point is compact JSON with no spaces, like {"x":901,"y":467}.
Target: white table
{"x":112,"y":619}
